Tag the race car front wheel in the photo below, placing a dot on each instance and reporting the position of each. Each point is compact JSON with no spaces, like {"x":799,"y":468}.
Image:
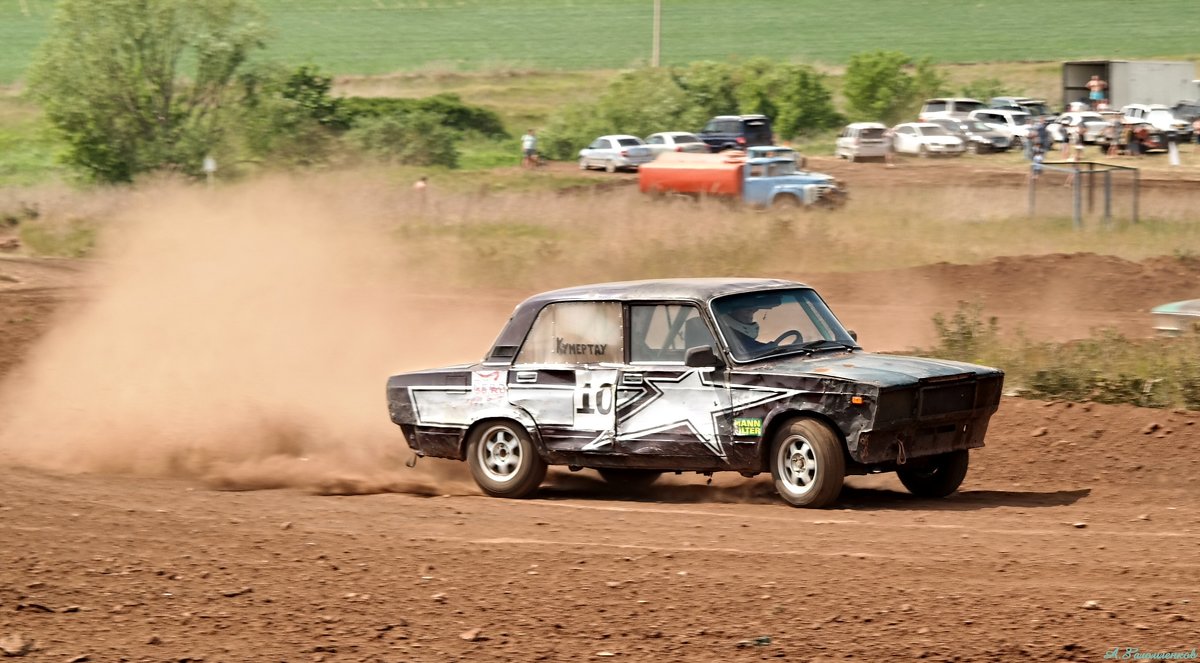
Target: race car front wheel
{"x":937,"y":476}
{"x":807,"y":463}
{"x":503,"y":461}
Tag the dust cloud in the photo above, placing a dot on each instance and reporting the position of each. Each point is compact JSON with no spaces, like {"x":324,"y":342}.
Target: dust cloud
{"x":242,"y":336}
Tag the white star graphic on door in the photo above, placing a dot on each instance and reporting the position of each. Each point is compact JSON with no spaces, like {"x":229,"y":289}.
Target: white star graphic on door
{"x":692,"y":401}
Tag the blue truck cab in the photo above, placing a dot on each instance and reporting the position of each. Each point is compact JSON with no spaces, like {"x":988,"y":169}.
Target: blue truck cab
{"x":774,"y":175}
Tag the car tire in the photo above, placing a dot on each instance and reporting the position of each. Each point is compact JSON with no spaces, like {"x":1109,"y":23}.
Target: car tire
{"x":629,"y":478}
{"x":786,"y":201}
{"x":850,"y":157}
{"x":973,"y":148}
{"x":610,"y":167}
{"x":807,"y":464}
{"x":937,"y":476}
{"x":923,"y":152}
{"x":583,"y":164}
{"x":503,"y":460}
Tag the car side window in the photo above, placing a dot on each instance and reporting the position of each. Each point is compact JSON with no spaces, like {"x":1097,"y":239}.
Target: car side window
{"x":575,"y":333}
{"x":664,"y":332}
{"x":655,"y":140}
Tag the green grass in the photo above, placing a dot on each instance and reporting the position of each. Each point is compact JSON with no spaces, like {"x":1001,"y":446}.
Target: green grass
{"x":381,"y":36}
{"x":27,"y":149}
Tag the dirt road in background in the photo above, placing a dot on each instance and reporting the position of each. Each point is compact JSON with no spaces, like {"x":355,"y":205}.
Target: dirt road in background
{"x":1077,"y":531}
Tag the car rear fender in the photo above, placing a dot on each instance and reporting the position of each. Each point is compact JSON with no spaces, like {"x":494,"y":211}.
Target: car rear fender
{"x":507,"y":413}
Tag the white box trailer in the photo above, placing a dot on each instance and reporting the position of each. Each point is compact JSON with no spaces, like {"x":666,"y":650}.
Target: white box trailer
{"x":1132,"y":82}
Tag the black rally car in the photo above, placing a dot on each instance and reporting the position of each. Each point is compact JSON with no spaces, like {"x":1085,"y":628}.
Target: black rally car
{"x":706,"y":375}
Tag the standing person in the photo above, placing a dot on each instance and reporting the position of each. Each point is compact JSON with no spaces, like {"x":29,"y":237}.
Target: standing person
{"x":1129,"y":140}
{"x":1196,"y":132}
{"x":1065,"y":130}
{"x":1076,"y":141}
{"x":1113,"y":131}
{"x":1096,"y":88}
{"x":889,"y":147}
{"x":528,"y":148}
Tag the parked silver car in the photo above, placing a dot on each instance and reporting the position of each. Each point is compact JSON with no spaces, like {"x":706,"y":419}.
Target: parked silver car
{"x":862,"y":140}
{"x":613,"y":152}
{"x":675,"y":141}
{"x":1177,"y":317}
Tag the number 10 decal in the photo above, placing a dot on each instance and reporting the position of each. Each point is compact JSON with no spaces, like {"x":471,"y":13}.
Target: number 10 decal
{"x":595,"y":400}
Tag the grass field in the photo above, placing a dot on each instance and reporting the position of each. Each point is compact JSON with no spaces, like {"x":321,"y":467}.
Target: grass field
{"x":381,"y":36}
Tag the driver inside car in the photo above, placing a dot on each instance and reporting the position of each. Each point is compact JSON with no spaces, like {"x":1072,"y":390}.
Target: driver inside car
{"x":738,"y":319}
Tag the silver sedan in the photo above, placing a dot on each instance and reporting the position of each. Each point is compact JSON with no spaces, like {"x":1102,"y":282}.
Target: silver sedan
{"x":613,"y":152}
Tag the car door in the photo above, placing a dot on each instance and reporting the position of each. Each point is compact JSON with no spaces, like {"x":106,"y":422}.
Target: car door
{"x":668,"y":413}
{"x":565,"y":375}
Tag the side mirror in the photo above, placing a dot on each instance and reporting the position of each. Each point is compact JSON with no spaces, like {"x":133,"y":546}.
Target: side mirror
{"x":853,"y":334}
{"x":702,"y":357}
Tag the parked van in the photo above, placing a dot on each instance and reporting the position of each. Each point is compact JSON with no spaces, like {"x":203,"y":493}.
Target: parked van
{"x":953,"y":107}
{"x":862,"y":140}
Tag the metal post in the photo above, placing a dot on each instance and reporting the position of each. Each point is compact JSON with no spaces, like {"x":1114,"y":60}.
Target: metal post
{"x":1032,"y":188}
{"x":1077,"y":187}
{"x":1107,"y":196}
{"x":1091,"y":187}
{"x":656,"y":46}
{"x":1137,"y":185}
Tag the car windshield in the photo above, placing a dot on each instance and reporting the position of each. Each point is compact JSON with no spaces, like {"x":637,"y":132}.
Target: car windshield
{"x":629,"y":142}
{"x":1036,"y":109}
{"x":933,"y":131}
{"x":686,"y":138}
{"x":977,"y":126}
{"x":1020,"y":119}
{"x":776,"y":322}
{"x":871,"y":133}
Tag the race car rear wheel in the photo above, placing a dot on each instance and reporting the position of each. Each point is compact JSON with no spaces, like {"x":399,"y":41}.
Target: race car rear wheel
{"x":807,"y":463}
{"x":937,"y":476}
{"x":633,"y":479}
{"x":503,"y":461}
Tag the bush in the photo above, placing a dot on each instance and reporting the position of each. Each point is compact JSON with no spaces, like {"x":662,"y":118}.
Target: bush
{"x":288,"y":117}
{"x":417,"y":139}
{"x":878,"y":86}
{"x":710,"y":91}
{"x":454,"y":112}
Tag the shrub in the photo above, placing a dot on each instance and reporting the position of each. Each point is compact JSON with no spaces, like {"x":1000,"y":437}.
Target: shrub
{"x":417,"y":139}
{"x":455,"y":114}
{"x":878,"y":87}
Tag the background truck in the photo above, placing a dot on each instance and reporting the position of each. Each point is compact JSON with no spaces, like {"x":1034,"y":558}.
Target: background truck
{"x":1131,"y":82}
{"x":762,"y":177}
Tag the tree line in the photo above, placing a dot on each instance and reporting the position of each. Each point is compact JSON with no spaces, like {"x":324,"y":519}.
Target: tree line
{"x":134,"y":86}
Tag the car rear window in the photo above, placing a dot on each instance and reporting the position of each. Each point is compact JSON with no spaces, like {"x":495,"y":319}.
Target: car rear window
{"x":758,"y":129}
{"x":629,"y":142}
{"x":935,"y":106}
{"x":874,"y":132}
{"x":968,"y":106}
{"x":688,"y":138}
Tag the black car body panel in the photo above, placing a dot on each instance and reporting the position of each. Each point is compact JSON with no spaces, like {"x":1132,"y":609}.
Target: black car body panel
{"x":602,"y":401}
{"x":737,"y":132}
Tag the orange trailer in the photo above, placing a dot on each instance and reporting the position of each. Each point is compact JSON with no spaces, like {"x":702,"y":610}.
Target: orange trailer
{"x":720,"y":174}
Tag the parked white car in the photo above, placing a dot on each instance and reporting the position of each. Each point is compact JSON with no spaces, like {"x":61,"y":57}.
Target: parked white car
{"x":1068,"y":123}
{"x":1017,"y":124}
{"x":862,"y":140}
{"x":675,"y":141}
{"x":1160,"y":116}
{"x":613,"y":152}
{"x":953,"y":107}
{"x":926,"y":139}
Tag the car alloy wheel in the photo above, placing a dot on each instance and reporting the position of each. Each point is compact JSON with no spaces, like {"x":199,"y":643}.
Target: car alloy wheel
{"x":610,"y":167}
{"x":807,"y":463}
{"x":503,"y":460}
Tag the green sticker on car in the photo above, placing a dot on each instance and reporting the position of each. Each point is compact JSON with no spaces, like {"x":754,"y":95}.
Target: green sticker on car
{"x":747,"y":426}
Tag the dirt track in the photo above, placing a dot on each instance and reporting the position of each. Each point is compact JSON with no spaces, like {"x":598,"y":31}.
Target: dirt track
{"x":1078,"y":531}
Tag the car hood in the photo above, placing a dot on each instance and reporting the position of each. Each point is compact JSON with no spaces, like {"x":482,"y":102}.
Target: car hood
{"x":880,"y":370}
{"x":1187,"y":307}
{"x":805,"y":177}
{"x":941,"y":140}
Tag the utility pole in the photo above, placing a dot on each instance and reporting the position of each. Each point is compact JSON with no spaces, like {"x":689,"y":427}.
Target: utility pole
{"x":656,"y":45}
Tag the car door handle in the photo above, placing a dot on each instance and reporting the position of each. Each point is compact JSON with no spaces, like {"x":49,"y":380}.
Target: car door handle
{"x":527,"y":376}
{"x":631,"y":378}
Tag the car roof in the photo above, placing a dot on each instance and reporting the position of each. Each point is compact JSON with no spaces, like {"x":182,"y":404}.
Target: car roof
{"x":738,"y":117}
{"x":619,"y":136}
{"x":953,"y":99}
{"x":866,"y":125}
{"x":919,"y":124}
{"x":701,"y":289}
{"x":1002,"y":111}
{"x":672,"y":133}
